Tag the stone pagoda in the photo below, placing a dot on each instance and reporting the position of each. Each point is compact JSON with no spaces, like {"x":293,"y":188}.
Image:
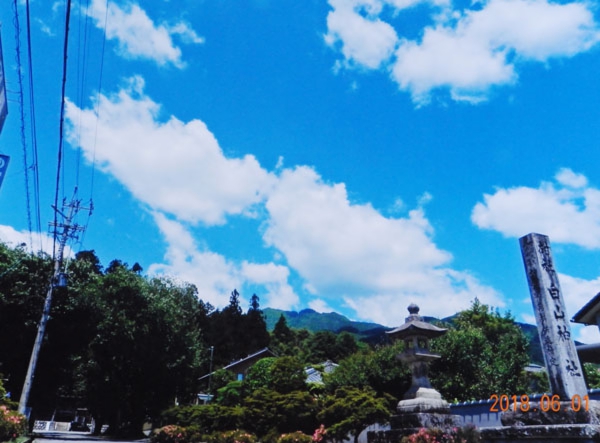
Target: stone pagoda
{"x":421,"y":406}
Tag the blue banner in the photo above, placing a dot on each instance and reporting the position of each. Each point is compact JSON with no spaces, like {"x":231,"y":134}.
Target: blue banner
{"x":3,"y":167}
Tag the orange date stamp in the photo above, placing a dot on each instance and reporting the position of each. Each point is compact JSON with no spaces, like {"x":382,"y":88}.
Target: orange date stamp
{"x":503,"y":403}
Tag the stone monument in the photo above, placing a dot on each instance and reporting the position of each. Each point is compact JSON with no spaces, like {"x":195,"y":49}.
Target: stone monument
{"x":422,"y":406}
{"x":567,"y":415}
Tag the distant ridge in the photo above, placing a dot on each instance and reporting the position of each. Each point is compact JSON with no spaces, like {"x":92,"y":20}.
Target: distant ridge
{"x":315,"y":321}
{"x":372,"y":332}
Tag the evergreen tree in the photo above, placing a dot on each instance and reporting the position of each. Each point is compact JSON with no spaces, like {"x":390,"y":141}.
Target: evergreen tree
{"x":255,"y":336}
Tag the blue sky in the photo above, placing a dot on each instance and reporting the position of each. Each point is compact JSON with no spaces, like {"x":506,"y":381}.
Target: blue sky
{"x":346,"y":155}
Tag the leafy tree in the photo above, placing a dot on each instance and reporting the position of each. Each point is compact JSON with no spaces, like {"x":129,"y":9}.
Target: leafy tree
{"x":287,"y":375}
{"x":24,"y":282}
{"x":592,"y":375}
{"x":145,"y":350}
{"x":92,"y":259}
{"x":259,"y":375}
{"x":231,"y":394}
{"x":346,"y":345}
{"x":322,"y":346}
{"x":350,"y":410}
{"x":219,"y":379}
{"x":268,"y":411}
{"x":377,"y":369}
{"x":206,"y":418}
{"x":484,"y":353}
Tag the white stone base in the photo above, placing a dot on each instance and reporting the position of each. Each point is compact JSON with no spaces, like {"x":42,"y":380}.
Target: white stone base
{"x":425,"y":400}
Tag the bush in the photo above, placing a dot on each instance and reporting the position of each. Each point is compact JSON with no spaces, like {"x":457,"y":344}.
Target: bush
{"x":237,"y":436}
{"x":170,"y":434}
{"x":468,"y":434}
{"x":12,"y":424}
{"x":295,"y":437}
{"x":207,"y":418}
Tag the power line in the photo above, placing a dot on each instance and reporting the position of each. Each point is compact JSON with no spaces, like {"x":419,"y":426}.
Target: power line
{"x":62,"y":118}
{"x":22,"y":116}
{"x":97,"y":112}
{"x":35,"y":168}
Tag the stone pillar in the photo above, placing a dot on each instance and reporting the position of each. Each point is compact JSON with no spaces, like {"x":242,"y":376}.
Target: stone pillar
{"x":565,"y":372}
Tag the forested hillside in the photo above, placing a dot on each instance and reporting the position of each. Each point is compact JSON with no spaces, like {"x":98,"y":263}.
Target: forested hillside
{"x":374,"y":333}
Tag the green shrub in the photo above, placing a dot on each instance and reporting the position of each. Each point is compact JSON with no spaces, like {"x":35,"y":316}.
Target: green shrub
{"x":467,"y":434}
{"x":12,"y":424}
{"x":170,"y":434}
{"x":237,"y":436}
{"x":295,"y":437}
{"x":206,"y":418}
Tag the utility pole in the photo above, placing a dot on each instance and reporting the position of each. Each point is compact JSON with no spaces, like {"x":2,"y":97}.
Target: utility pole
{"x":69,"y":230}
{"x":212,"y":350}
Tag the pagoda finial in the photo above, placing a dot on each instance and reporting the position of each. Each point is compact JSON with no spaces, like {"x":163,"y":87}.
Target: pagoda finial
{"x":413,"y":309}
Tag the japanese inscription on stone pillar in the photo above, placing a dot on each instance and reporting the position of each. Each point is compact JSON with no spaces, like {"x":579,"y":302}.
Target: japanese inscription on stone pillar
{"x":562,"y":362}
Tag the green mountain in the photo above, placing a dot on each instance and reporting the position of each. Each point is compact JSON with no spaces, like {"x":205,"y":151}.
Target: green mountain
{"x":372,"y":332}
{"x":315,"y":321}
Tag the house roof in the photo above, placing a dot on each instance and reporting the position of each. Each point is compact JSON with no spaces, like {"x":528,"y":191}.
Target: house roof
{"x":316,"y":376}
{"x":245,"y":362}
{"x":587,"y":314}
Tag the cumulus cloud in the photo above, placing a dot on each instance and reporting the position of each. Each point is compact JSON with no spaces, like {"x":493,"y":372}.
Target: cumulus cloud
{"x":464,"y":52}
{"x":568,"y":211}
{"x":274,"y":279}
{"x":577,"y":292}
{"x":137,"y":34}
{"x":366,"y":41}
{"x":172,"y":166}
{"x":377,"y":265}
{"x":32,"y":241}
{"x":320,"y":305}
{"x":341,"y":252}
{"x":214,"y":275}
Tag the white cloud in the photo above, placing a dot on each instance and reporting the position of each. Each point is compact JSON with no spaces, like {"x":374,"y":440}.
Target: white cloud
{"x":172,"y":166}
{"x":564,"y":213}
{"x":214,"y":275}
{"x":366,"y":41}
{"x":320,"y":305}
{"x":481,"y":49}
{"x":586,"y":334}
{"x":33,"y":242}
{"x":528,"y":318}
{"x":569,"y":178}
{"x":465,"y":53}
{"x":187,"y":34}
{"x":577,"y":292}
{"x":343,"y":252}
{"x":137,"y":34}
{"x":351,"y":252}
{"x":274,"y":278}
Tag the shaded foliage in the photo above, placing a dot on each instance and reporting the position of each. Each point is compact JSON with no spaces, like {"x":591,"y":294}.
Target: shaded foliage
{"x":350,"y":410}
{"x":484,"y":353}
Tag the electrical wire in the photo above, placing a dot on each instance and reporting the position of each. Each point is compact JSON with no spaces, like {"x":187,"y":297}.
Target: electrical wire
{"x":35,"y":164}
{"x":22,"y":117}
{"x":97,"y":112}
{"x":60,"y":165}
